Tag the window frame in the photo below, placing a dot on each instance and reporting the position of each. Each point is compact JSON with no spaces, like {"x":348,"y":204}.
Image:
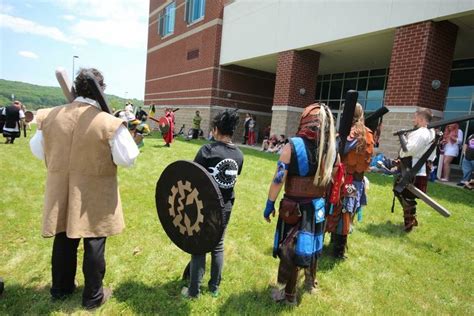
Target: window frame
{"x":189,"y":10}
{"x":166,"y":17}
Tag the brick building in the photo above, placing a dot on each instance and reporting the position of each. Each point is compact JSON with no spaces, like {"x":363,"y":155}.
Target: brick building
{"x":272,"y":58}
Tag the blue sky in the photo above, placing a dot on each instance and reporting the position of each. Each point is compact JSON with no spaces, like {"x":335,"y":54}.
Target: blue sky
{"x":37,"y":36}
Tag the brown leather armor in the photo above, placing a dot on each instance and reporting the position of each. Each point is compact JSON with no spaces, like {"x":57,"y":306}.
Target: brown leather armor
{"x":360,"y":161}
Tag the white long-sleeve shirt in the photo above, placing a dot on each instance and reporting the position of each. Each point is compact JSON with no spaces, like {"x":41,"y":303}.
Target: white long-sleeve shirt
{"x":418,"y":143}
{"x":123,"y":147}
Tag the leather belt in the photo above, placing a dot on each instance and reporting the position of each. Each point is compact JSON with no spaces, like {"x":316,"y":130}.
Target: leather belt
{"x":303,"y":187}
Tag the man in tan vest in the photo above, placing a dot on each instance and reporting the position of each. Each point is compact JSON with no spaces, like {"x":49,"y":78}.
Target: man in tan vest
{"x":81,"y":147}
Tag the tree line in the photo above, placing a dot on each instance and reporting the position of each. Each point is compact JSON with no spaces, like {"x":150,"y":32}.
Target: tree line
{"x":36,"y":97}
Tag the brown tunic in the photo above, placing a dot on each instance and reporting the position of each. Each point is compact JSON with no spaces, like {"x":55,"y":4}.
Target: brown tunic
{"x":82,"y":197}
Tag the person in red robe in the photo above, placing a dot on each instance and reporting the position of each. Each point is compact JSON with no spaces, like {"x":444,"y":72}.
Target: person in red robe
{"x":168,"y":137}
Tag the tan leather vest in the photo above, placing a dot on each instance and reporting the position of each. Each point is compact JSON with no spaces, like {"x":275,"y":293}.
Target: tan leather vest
{"x":82,"y":197}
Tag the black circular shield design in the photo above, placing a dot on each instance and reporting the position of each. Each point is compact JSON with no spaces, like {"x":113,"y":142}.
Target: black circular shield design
{"x":190,"y":207}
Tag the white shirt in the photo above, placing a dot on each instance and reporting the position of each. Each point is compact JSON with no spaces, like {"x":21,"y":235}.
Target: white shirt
{"x":418,"y":143}
{"x":453,"y":149}
{"x":124,"y":149}
{"x":16,"y":128}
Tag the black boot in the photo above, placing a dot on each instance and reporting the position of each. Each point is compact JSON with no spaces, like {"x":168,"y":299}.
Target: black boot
{"x":340,"y":244}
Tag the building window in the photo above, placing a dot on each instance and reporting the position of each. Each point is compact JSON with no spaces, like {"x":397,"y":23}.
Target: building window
{"x":195,"y":10}
{"x":166,"y":20}
{"x":331,"y":89}
{"x":460,"y":98}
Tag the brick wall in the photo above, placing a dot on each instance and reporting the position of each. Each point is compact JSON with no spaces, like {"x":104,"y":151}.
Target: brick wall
{"x":173,"y":79}
{"x":214,"y":10}
{"x":296,"y":70}
{"x":421,"y":53}
{"x":244,"y":88}
{"x":174,"y":74}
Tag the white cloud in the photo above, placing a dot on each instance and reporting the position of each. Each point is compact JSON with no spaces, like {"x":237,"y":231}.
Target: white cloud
{"x":134,"y":9}
{"x":129,"y":34}
{"x":28,"y":54}
{"x":21,"y":25}
{"x":121,"y":23}
{"x":68,"y":17}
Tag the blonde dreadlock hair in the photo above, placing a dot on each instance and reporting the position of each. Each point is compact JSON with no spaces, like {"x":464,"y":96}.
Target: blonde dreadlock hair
{"x":327,"y":147}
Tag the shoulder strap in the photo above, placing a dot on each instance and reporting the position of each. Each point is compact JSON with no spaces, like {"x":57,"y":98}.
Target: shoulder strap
{"x":301,"y":155}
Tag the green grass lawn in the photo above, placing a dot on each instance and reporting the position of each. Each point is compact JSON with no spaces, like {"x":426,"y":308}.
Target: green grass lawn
{"x":388,"y":272}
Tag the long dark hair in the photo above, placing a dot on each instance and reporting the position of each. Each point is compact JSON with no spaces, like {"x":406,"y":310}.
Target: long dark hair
{"x":82,"y":87}
{"x":225,"y":122}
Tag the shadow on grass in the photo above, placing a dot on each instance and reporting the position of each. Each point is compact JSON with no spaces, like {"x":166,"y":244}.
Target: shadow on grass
{"x":391,"y":230}
{"x":153,"y":299}
{"x":326,"y":261}
{"x":387,"y":229}
{"x":253,"y":302}
{"x":20,"y":300}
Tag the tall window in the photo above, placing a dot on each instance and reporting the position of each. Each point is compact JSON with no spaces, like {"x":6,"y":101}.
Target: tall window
{"x":331,"y":89}
{"x":460,"y":98}
{"x":166,"y":20}
{"x":195,"y":10}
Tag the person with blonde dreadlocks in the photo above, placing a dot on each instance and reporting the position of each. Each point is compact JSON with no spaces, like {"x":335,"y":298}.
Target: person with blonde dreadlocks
{"x":349,"y":184}
{"x":305,"y":168}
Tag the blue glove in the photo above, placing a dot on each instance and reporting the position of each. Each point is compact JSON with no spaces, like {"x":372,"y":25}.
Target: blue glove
{"x":269,"y":208}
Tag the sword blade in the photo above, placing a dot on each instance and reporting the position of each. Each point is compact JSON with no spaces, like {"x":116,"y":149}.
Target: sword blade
{"x":428,"y":200}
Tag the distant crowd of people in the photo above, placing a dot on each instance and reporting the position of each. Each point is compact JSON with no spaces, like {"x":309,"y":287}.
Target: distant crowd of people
{"x":450,"y":148}
{"x":274,"y":144}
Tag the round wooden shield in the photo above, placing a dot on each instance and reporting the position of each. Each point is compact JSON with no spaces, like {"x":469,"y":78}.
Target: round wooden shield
{"x":190,"y":207}
{"x":164,"y":125}
{"x":29,"y":116}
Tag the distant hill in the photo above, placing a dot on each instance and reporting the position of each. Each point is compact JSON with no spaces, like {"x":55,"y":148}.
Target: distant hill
{"x":37,"y":97}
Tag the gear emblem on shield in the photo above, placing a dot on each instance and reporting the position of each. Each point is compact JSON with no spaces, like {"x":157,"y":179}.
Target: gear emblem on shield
{"x":184,"y":197}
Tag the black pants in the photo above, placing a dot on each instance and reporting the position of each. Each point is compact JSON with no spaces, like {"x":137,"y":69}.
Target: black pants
{"x":64,"y":263}
{"x":10,"y":136}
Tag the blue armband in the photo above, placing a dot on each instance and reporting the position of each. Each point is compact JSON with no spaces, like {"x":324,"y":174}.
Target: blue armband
{"x":269,"y":208}
{"x":280,"y":173}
